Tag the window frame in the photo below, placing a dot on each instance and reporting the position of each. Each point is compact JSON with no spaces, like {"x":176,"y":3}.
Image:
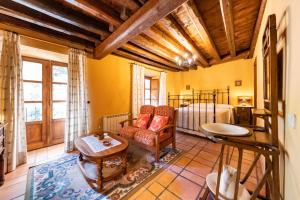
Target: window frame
{"x":150,"y":89}
{"x":42,"y":82}
{"x":52,"y":101}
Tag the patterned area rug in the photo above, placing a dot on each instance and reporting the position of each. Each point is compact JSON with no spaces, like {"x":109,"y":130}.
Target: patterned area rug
{"x":62,"y":178}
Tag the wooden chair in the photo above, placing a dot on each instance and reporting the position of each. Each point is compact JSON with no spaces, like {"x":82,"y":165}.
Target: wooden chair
{"x":129,"y":131}
{"x":155,"y":141}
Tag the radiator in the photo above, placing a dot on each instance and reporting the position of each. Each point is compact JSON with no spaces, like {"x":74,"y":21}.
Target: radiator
{"x":111,"y":123}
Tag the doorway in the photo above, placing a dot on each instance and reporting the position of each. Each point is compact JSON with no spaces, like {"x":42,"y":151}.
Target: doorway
{"x":45,"y":96}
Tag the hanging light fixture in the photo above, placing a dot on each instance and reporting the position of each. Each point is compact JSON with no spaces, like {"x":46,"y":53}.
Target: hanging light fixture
{"x":186,"y":61}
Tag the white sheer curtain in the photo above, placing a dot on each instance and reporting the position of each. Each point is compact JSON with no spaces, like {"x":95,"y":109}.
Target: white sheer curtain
{"x":11,"y":100}
{"x":138,"y":73}
{"x":162,"y":88}
{"x":76,"y":120}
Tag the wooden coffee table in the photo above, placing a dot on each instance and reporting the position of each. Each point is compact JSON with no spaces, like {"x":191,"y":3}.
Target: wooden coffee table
{"x":91,"y":162}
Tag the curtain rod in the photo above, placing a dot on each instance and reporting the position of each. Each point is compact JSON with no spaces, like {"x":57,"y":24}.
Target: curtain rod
{"x":147,"y":67}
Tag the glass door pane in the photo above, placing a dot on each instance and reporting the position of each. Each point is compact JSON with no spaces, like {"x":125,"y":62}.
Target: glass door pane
{"x":59,"y":74}
{"x":59,"y":92}
{"x":32,"y":91}
{"x":59,"y":110}
{"x":33,"y":112}
{"x":32,"y":71}
{"x":59,"y":102}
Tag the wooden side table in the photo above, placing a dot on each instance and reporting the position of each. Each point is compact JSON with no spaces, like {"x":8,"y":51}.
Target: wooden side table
{"x":90,"y":161}
{"x":244,"y":115}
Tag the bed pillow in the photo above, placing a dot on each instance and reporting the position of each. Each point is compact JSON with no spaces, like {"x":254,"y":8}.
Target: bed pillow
{"x":142,"y":121}
{"x":158,"y":122}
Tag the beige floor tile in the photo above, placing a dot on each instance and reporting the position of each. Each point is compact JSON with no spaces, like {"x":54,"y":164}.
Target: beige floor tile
{"x":167,"y":195}
{"x":13,"y":191}
{"x":175,"y":168}
{"x":188,"y":155}
{"x":192,"y":177}
{"x":166,"y":178}
{"x":11,"y":182}
{"x":146,"y":195}
{"x":184,"y":188}
{"x":137,"y":193}
{"x":182,"y":161}
{"x":198,"y":169}
{"x":204,"y":161}
{"x":156,"y":188}
{"x":208,"y":155}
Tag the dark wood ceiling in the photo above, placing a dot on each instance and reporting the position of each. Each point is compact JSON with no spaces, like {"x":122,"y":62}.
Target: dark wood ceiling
{"x":154,"y":32}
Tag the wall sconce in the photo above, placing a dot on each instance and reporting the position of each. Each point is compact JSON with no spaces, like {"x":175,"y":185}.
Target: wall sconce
{"x":245,"y":100}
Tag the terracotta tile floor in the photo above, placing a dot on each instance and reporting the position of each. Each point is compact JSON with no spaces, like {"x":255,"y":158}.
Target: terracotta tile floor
{"x":183,"y":179}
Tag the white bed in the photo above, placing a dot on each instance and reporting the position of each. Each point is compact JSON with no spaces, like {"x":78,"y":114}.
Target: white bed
{"x":186,"y":122}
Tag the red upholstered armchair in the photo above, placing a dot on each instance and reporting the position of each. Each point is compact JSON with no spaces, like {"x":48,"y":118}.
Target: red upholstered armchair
{"x":129,"y":131}
{"x":155,"y":140}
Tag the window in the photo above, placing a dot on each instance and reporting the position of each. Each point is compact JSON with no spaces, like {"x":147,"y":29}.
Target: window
{"x":33,"y":92}
{"x":59,"y":91}
{"x":151,"y":91}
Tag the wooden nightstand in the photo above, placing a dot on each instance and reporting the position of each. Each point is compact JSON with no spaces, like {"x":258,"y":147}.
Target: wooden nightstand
{"x":243,"y":115}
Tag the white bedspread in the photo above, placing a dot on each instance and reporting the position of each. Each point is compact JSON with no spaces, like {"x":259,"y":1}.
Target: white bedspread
{"x":185,"y":120}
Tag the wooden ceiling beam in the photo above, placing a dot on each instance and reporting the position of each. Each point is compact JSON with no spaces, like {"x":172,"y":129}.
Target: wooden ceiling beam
{"x":242,"y":55}
{"x":37,"y":34}
{"x":127,"y":55}
{"x":141,"y":20}
{"x":173,"y":26}
{"x":158,"y":35}
{"x":198,"y":22}
{"x":146,"y":54}
{"x":257,"y":27}
{"x":152,"y":46}
{"x":227,"y":16}
{"x":41,"y":8}
{"x":48,"y":25}
{"x":95,"y":9}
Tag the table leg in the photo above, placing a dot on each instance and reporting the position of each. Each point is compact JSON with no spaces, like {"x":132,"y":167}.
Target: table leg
{"x":100,"y":177}
{"x":220,"y":171}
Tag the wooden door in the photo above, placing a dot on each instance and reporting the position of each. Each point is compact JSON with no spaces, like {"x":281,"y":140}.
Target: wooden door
{"x":59,"y":81}
{"x":35,"y":101}
{"x":45,"y":93}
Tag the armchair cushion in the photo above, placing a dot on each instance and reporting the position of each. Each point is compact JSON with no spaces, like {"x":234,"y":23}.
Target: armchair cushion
{"x":129,"y":131}
{"x":147,"y":137}
{"x":142,"y":121}
{"x":158,"y":122}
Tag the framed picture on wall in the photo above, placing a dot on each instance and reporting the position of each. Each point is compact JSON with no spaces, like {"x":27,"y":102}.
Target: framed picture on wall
{"x":238,"y":83}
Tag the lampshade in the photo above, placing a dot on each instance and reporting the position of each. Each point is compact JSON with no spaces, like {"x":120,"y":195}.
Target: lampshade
{"x":245,"y":100}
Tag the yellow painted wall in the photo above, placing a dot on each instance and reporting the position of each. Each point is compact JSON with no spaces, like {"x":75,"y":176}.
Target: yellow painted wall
{"x":218,"y":77}
{"x":292,"y":135}
{"x":109,"y":86}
